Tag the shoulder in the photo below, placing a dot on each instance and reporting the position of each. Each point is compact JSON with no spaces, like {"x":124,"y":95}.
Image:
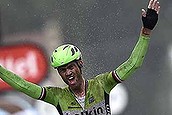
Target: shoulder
{"x":102,"y":76}
{"x":99,"y":78}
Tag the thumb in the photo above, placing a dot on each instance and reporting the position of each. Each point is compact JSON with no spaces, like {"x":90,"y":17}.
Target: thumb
{"x":143,"y":12}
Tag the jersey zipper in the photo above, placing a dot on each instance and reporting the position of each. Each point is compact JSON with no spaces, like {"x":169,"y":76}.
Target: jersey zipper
{"x":86,"y":86}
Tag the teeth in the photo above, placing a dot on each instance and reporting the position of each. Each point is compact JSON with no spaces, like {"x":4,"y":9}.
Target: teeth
{"x":71,"y":78}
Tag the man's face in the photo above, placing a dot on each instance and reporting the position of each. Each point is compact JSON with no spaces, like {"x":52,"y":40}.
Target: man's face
{"x":71,"y":74}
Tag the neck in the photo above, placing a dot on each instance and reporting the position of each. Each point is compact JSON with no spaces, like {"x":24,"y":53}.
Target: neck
{"x":80,"y":90}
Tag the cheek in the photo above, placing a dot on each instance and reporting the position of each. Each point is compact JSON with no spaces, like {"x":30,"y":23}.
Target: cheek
{"x":75,"y":70}
{"x":62,"y":76}
{"x":78,"y":73}
{"x":64,"y":79}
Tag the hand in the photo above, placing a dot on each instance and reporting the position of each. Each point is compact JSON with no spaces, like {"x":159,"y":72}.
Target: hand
{"x":150,"y":17}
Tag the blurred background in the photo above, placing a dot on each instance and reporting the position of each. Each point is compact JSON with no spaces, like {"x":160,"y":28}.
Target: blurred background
{"x":105,"y":31}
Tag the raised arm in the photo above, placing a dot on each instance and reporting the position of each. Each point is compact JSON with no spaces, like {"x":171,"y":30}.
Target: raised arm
{"x":20,"y":84}
{"x":149,"y":19}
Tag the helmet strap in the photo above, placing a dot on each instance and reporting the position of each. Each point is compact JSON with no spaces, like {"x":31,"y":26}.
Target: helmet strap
{"x":80,"y":64}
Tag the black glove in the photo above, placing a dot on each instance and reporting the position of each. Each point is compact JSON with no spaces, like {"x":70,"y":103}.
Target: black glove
{"x":150,"y":20}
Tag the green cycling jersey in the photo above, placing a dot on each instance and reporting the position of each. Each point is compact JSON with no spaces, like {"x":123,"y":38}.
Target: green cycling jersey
{"x":97,"y":89}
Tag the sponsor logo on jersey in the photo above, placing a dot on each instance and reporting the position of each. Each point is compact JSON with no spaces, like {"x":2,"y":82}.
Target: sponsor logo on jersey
{"x":98,"y":109}
{"x":91,"y":99}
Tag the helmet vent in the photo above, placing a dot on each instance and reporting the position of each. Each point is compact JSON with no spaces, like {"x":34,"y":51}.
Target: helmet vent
{"x":73,"y":51}
{"x":65,"y":47}
{"x":52,"y":59}
{"x":76,"y":49}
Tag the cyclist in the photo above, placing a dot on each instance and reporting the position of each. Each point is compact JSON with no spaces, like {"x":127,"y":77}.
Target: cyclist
{"x":81,"y":96}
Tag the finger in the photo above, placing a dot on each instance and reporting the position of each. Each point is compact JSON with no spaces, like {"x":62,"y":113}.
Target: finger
{"x":158,"y":10}
{"x":154,"y":4}
{"x":150,"y":4}
{"x":143,"y":12}
{"x":157,"y":7}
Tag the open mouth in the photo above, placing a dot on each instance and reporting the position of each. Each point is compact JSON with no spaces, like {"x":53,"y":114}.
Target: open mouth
{"x":71,"y":80}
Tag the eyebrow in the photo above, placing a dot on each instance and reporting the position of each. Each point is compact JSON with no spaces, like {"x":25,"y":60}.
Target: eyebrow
{"x":66,"y":65}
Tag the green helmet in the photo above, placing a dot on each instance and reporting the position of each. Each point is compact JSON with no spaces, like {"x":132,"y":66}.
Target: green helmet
{"x":64,"y":54}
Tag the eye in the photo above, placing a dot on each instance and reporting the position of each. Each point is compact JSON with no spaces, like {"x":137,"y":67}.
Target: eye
{"x":71,"y":66}
{"x":61,"y":70}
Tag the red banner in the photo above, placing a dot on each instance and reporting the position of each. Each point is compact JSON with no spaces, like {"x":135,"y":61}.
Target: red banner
{"x":26,"y":60}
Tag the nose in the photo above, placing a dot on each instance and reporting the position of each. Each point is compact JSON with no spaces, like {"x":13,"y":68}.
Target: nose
{"x":68,"y":72}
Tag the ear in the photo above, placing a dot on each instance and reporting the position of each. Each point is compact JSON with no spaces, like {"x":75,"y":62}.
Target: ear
{"x":80,"y":63}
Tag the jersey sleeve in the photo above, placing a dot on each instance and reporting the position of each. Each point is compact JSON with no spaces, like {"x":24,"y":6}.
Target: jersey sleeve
{"x":111,"y":79}
{"x":134,"y":61}
{"x":20,"y":84}
{"x":51,"y":95}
